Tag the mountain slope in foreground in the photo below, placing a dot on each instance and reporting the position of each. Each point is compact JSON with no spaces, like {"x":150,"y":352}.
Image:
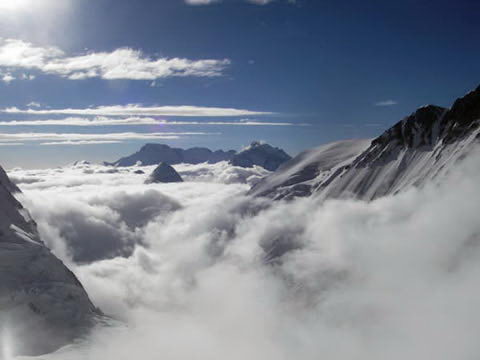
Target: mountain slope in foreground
{"x":42,"y":304}
{"x":421,"y":147}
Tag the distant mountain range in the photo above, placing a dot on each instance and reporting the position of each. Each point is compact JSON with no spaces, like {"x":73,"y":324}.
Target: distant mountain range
{"x":421,"y":147}
{"x":257,"y":153}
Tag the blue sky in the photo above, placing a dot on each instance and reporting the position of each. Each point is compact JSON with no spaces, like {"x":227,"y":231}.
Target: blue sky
{"x":118,"y":73}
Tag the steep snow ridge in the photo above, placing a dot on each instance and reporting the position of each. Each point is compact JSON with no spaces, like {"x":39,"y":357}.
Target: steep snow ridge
{"x":297,"y":176}
{"x":422,"y":147}
{"x":42,"y":303}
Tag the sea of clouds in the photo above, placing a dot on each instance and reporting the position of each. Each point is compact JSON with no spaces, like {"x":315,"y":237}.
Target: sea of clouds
{"x":199,"y":270}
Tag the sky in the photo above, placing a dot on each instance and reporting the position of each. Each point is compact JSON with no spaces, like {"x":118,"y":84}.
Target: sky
{"x":96,"y":80}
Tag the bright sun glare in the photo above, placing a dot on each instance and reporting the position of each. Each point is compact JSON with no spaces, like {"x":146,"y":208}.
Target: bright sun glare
{"x":10,"y":5}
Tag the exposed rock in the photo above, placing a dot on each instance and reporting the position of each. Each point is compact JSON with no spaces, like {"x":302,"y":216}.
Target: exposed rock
{"x":164,"y":173}
{"x":151,"y":154}
{"x":260,"y":154}
{"x":42,"y":304}
{"x":421,"y":147}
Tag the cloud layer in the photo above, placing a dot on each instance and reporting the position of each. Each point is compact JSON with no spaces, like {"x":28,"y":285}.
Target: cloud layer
{"x":84,"y":139}
{"x":225,"y":276}
{"x":123,"y":63}
{"x":138,"y":110}
{"x":108,"y":121}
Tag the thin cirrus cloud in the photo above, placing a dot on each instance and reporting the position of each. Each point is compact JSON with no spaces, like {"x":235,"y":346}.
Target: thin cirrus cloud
{"x":386,"y":103}
{"x":87,"y":139}
{"x":209,"y":2}
{"x":106,"y":121}
{"x":122,"y":63}
{"x":137,"y":110}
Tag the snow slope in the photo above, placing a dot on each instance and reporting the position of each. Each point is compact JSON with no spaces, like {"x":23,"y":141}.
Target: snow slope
{"x":42,"y":304}
{"x":298,"y":176}
{"x":422,"y":147}
{"x":260,"y":154}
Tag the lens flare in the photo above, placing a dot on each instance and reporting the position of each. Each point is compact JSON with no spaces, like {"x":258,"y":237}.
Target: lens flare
{"x":6,"y":343}
{"x":12,"y":5}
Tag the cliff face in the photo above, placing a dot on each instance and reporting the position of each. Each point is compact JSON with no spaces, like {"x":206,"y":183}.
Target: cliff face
{"x":43,"y":305}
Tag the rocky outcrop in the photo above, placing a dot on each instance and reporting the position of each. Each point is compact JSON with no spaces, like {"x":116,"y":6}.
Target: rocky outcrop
{"x":164,"y":173}
{"x":421,"y":147}
{"x":260,"y":154}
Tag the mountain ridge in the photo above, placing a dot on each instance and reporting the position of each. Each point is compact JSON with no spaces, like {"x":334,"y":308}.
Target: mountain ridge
{"x":43,"y":304}
{"x":417,"y":149}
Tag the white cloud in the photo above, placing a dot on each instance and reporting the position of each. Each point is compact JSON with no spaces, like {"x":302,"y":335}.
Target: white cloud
{"x":138,"y":110}
{"x":34,"y":104}
{"x":7,"y":77}
{"x":386,"y":103}
{"x":260,"y":2}
{"x":395,"y":278}
{"x":85,"y":139}
{"x":11,"y":144}
{"x":201,"y":2}
{"x":123,"y":63}
{"x":106,"y":121}
{"x":209,"y":2}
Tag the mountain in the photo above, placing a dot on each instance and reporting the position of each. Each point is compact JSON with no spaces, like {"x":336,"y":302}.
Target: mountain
{"x":43,"y":305}
{"x":299,"y":176}
{"x":421,"y":147}
{"x":260,"y":154}
{"x":152,"y":154}
{"x":164,"y":173}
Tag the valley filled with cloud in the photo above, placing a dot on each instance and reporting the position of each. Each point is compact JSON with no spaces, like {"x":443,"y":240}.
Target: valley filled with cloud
{"x":200,"y":270}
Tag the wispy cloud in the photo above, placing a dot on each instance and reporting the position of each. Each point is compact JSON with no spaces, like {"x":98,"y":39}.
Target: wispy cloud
{"x":106,"y":121}
{"x":209,"y":2}
{"x":138,"y":110}
{"x":122,"y":63}
{"x":85,"y":139}
{"x":11,"y":144}
{"x":386,"y":103}
{"x":201,"y":2}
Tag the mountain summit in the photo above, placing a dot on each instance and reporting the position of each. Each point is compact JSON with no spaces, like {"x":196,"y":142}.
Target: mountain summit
{"x":257,"y":153}
{"x":260,"y":154}
{"x":421,"y":147}
{"x":152,"y":154}
{"x":164,"y":173}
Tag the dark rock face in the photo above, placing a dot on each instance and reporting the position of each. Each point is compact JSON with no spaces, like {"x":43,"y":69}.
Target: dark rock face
{"x":462,"y":118}
{"x":164,"y":173}
{"x":151,"y":154}
{"x":260,"y":154}
{"x":419,"y":129}
{"x":43,"y":305}
{"x":421,"y":147}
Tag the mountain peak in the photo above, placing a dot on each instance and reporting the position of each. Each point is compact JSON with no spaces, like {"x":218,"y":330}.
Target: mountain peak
{"x":417,"y":129}
{"x":164,"y":173}
{"x":262,"y":154}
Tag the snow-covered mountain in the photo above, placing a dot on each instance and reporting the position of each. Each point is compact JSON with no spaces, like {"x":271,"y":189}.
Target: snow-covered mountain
{"x":42,"y":304}
{"x":421,"y":147}
{"x":152,"y":154}
{"x":257,"y":153}
{"x":164,"y":173}
{"x":260,"y":154}
{"x":300,"y":175}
